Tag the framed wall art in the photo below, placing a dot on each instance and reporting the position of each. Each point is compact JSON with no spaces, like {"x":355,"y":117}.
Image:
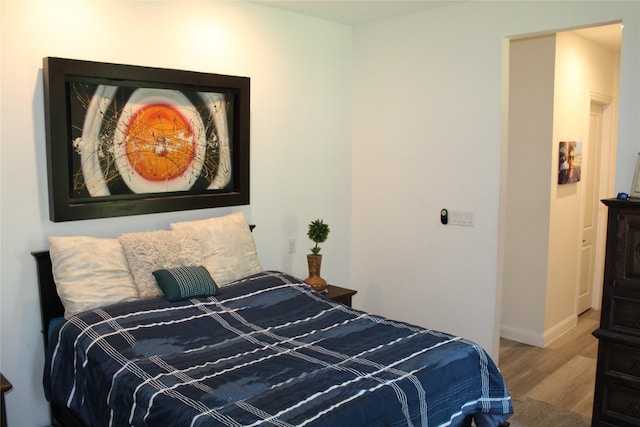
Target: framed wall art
{"x":570,"y":162}
{"x":130,"y":140}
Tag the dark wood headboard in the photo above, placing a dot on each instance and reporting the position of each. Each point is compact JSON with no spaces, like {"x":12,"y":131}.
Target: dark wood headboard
{"x":50,"y":308}
{"x":50,"y":304}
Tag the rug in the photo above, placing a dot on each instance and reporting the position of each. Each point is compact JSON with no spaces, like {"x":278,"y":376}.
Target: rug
{"x":533,"y":413}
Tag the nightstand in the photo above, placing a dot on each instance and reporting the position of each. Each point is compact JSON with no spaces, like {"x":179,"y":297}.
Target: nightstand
{"x":338,"y":294}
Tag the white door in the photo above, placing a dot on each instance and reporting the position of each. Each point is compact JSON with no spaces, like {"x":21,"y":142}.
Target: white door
{"x":591,"y":173}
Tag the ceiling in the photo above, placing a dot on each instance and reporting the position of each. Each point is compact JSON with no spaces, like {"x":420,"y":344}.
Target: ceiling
{"x":354,"y":12}
{"x":609,"y":36}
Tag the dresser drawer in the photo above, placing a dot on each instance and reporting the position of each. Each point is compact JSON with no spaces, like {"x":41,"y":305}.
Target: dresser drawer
{"x":625,"y":315}
{"x":622,"y":361}
{"x":621,"y":403}
{"x":628,"y":251}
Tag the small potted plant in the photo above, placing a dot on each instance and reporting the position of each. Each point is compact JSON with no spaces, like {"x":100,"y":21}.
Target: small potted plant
{"x":318,"y":233}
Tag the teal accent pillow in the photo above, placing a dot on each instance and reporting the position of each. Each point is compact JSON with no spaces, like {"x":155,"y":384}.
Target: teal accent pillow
{"x":185,"y":282}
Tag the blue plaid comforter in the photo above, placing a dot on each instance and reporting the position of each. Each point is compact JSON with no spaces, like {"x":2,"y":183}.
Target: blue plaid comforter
{"x":267,"y":351}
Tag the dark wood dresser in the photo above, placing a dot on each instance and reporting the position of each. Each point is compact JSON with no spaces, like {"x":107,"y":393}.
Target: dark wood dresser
{"x":617,"y":393}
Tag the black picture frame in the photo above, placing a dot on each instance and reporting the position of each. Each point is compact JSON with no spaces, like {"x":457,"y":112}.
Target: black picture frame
{"x":130,"y":140}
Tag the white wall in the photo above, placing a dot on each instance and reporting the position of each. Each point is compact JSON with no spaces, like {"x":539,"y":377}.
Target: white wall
{"x":300,"y":134}
{"x":531,"y":89}
{"x":428,"y":134}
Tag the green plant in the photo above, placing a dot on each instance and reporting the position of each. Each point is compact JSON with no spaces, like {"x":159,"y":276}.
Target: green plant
{"x":318,"y":233}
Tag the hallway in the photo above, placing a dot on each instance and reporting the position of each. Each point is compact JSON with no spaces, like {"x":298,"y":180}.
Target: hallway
{"x":561,"y":375}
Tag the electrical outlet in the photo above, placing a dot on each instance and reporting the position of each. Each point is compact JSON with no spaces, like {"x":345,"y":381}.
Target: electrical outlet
{"x":463,"y":218}
{"x":292,"y":245}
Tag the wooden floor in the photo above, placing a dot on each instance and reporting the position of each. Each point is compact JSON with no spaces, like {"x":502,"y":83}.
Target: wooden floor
{"x":562,"y":374}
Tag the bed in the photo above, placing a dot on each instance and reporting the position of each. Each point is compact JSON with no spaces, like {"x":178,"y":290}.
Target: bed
{"x":266,"y":349}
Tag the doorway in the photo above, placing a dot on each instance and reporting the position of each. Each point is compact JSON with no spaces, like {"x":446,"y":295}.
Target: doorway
{"x":564,"y":88}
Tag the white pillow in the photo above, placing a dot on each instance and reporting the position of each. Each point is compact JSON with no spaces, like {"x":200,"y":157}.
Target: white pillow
{"x":149,"y":251}
{"x":228,"y":249}
{"x":90,"y":272}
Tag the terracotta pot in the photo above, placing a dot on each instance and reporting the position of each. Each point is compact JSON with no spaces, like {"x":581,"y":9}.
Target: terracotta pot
{"x":314,"y":279}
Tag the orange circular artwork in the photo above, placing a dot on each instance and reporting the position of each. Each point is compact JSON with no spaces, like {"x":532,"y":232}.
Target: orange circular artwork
{"x":159,"y":142}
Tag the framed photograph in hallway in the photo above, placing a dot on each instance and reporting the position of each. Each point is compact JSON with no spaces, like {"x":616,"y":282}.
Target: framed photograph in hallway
{"x":570,"y":162}
{"x":128,"y":140}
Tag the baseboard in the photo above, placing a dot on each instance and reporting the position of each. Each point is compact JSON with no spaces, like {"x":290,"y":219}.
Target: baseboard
{"x":527,"y":336}
{"x":524,"y":336}
{"x":560,"y":329}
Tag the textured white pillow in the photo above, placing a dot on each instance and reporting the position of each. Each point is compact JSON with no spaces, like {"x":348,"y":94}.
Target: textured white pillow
{"x":90,"y":272}
{"x":228,"y":249}
{"x":149,"y":251}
